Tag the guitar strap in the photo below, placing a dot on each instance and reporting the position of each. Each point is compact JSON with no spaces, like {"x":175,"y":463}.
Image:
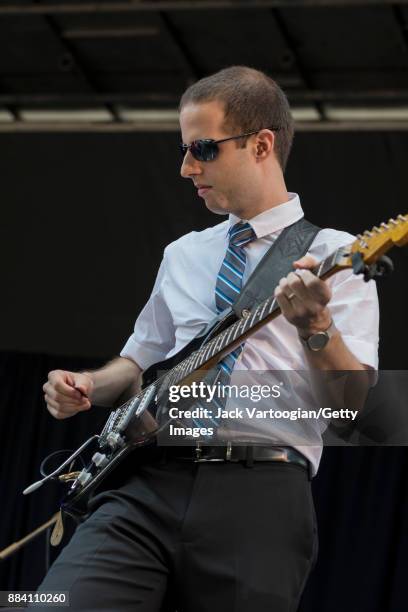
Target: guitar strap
{"x":292,"y":243}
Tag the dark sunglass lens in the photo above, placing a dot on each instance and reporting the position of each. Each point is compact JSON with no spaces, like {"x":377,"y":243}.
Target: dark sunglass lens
{"x":196,"y":150}
{"x":204,"y":150}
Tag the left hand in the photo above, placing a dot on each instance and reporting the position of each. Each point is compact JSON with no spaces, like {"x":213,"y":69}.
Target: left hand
{"x":303,"y":298}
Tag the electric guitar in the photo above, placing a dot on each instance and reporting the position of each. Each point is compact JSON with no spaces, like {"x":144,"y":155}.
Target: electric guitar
{"x":139,"y":420}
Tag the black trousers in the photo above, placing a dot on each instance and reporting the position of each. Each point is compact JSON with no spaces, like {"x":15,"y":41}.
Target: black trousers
{"x":193,"y":537}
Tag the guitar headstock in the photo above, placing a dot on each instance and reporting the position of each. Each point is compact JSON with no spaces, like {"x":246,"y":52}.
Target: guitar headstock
{"x":372,"y":244}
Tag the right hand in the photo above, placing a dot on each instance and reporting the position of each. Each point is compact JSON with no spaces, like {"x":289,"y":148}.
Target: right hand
{"x":62,"y":393}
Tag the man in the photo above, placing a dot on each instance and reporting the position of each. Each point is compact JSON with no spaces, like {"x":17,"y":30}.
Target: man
{"x":180,"y":535}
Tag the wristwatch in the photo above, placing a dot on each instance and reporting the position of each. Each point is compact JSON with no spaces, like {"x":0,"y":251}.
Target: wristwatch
{"x":317,"y":342}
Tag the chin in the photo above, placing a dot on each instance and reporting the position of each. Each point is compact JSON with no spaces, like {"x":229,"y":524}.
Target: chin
{"x":217,"y":208}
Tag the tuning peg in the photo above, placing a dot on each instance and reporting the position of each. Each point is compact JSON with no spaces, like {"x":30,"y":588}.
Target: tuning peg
{"x":380,"y":269}
{"x":363,"y":243}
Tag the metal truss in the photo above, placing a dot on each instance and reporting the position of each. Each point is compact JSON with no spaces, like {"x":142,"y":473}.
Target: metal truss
{"x":58,"y":8}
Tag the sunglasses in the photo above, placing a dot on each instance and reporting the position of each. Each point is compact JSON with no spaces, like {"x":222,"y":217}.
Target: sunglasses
{"x":206,"y":149}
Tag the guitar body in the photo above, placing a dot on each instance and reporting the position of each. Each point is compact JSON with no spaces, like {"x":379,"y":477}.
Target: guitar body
{"x":138,"y":427}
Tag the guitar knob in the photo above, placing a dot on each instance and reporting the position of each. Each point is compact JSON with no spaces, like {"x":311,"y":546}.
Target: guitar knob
{"x":100,"y":460}
{"x":114,"y":439}
{"x":84,"y":477}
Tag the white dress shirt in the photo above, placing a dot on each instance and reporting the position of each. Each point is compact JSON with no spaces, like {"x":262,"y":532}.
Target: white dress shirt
{"x":183,"y":302}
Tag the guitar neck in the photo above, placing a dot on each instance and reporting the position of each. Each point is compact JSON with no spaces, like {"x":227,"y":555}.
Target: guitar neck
{"x":362,"y":255}
{"x":233,"y":336}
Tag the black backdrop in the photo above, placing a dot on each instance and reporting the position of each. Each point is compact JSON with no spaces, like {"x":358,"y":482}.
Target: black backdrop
{"x":85,"y":218}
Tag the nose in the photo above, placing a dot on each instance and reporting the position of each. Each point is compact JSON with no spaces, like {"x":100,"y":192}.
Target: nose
{"x":190,"y":167}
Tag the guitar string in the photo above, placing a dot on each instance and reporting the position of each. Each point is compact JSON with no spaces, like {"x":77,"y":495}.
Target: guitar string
{"x":211,"y":348}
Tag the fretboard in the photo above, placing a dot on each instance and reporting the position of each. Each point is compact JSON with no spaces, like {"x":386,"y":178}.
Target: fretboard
{"x":227,"y":340}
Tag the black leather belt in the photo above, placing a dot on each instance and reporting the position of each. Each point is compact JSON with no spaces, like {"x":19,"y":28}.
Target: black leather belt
{"x":248,"y":454}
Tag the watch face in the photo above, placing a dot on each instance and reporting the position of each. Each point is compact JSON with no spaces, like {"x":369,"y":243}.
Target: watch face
{"x":318,"y":341}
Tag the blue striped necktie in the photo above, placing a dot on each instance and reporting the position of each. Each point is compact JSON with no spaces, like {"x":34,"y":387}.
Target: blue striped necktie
{"x":229,"y":280}
{"x":227,"y":289}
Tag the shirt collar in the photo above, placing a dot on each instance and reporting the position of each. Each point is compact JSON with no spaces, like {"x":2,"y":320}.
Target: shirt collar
{"x":273,"y":219}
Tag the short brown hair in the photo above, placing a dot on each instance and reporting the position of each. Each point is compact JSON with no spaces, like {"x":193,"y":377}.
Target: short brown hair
{"x":252,"y":101}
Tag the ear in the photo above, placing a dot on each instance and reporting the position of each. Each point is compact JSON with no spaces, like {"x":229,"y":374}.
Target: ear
{"x":264,"y":144}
